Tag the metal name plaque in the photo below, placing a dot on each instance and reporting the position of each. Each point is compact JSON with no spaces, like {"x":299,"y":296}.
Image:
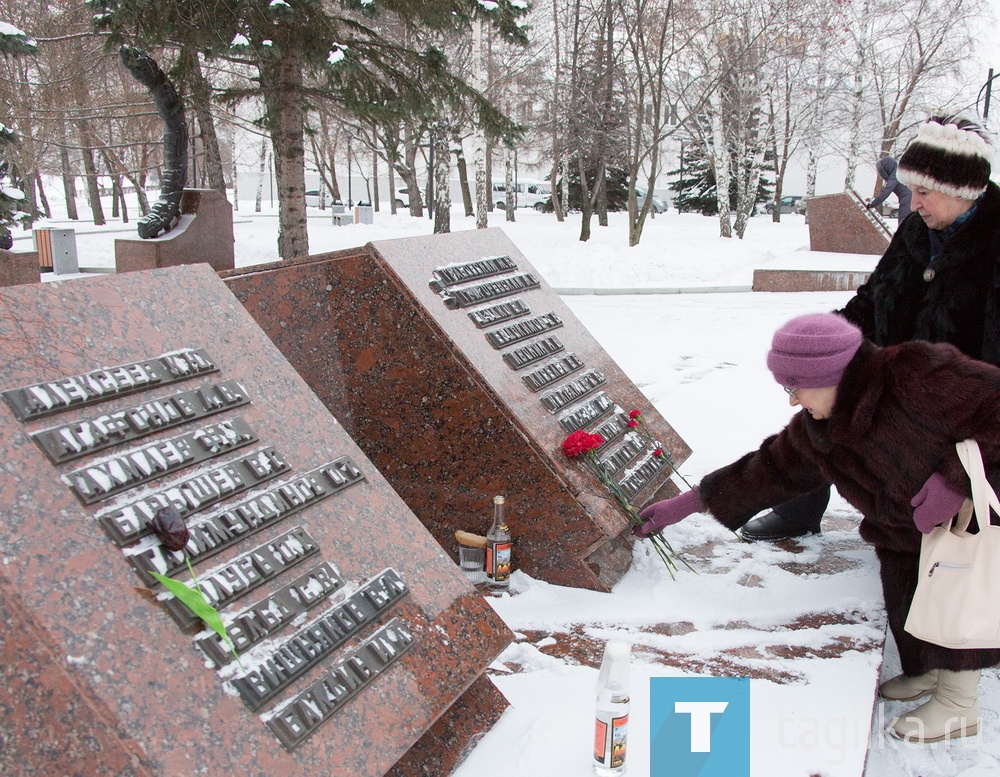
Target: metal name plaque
{"x":612,"y":429}
{"x":557,"y":399}
{"x":582,"y":416}
{"x":496,"y":314}
{"x":127,"y":524}
{"x":81,"y":438}
{"x":120,"y":473}
{"x":522,"y":330}
{"x":521,"y":357}
{"x":54,"y":396}
{"x":292,"y":722}
{"x":247,"y":571}
{"x":471,"y":271}
{"x":638,"y":479}
{"x":626,"y":453}
{"x":484,"y":292}
{"x":217,"y":532}
{"x":270,"y":615}
{"x":314,"y":642}
{"x":549,"y":373}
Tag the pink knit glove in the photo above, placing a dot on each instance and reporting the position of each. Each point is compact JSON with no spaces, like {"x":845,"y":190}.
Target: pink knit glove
{"x":935,"y":503}
{"x":668,"y":512}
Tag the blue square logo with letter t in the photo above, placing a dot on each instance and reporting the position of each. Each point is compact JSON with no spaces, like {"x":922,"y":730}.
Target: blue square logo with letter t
{"x":699,"y":726}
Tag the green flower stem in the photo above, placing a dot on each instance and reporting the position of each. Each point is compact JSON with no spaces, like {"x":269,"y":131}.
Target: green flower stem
{"x":195,"y":600}
{"x":643,"y":431}
{"x":666,"y":552}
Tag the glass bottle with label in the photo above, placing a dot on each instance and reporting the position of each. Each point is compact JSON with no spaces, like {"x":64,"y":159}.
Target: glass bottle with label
{"x":498,"y":548}
{"x":611,"y":724}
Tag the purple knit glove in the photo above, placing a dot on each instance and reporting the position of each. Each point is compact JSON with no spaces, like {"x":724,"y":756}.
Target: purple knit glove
{"x":668,"y":512}
{"x":935,"y":503}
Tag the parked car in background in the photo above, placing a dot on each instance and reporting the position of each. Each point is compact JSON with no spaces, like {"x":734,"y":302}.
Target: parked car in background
{"x":527,"y":194}
{"x":402,"y":198}
{"x":314,"y":200}
{"x":659,"y":205}
{"x":792,"y":204}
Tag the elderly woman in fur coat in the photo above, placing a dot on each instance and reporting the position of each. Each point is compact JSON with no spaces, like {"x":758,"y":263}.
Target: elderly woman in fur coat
{"x":881,"y":425}
{"x":939,"y":279}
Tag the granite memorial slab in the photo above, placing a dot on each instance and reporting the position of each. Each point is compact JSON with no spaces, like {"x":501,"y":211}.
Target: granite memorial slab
{"x":18,"y":268}
{"x":840,"y":223}
{"x":352,"y":644}
{"x":460,"y":373}
{"x":204,"y":233}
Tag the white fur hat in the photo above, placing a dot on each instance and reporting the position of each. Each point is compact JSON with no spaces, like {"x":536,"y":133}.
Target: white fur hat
{"x":950,"y":155}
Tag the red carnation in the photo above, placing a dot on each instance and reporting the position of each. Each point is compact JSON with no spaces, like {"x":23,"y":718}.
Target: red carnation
{"x":633,"y":424}
{"x":634,"y":414}
{"x":579,"y":443}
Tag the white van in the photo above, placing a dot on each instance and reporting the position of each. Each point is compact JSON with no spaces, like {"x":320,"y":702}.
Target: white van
{"x":527,"y":194}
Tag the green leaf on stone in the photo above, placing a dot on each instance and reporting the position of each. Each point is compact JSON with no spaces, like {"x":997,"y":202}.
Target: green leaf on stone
{"x":196,"y":602}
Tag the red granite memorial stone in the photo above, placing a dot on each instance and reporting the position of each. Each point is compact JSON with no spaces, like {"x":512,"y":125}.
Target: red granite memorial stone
{"x":841,"y":224}
{"x":18,"y":267}
{"x":460,"y":373}
{"x":204,"y":233}
{"x":360,"y":648}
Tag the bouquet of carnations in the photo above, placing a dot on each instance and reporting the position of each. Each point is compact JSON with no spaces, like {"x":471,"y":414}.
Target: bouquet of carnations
{"x":583,"y":446}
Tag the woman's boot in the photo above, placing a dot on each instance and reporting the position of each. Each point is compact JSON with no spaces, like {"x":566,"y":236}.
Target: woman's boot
{"x":907,"y":687}
{"x":953,"y":710}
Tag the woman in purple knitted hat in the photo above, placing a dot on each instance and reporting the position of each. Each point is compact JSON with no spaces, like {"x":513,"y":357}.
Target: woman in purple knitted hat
{"x":881,"y":425}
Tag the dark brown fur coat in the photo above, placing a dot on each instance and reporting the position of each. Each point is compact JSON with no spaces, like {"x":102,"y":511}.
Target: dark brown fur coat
{"x":898,"y":413}
{"x":960,"y":305}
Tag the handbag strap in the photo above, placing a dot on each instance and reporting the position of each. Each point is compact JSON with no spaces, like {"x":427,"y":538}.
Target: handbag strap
{"x":983,"y":495}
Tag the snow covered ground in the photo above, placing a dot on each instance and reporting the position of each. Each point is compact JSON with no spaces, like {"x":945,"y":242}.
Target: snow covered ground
{"x":699,"y":357}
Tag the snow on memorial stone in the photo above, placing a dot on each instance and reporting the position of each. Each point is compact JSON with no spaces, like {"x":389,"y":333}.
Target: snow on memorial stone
{"x":459,"y":372}
{"x":155,"y":393}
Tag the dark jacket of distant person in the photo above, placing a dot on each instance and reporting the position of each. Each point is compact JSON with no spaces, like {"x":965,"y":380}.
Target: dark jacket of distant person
{"x":886,"y":168}
{"x":897,"y":415}
{"x":959,"y":304}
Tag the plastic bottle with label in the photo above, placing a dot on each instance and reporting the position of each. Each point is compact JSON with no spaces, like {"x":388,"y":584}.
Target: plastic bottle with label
{"x":611,"y":724}
{"x":499,"y":563}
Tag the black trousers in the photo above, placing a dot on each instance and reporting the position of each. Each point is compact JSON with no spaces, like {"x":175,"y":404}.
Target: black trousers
{"x":806,"y":506}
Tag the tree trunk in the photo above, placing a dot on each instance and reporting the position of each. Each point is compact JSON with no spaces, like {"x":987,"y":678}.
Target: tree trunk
{"x":463,"y":174}
{"x":90,"y":169}
{"x":375,"y":194}
{"x":478,"y":139}
{"x":857,"y":98}
{"x":408,"y":170}
{"x":557,"y":205}
{"x":236,"y":187}
{"x":489,"y":174}
{"x":68,"y":179}
{"x":260,"y":176}
{"x":285,"y":107}
{"x":140,"y":192}
{"x":40,"y":190}
{"x":442,"y":190}
{"x":586,"y":203}
{"x":509,"y":185}
{"x":564,"y":190}
{"x":392,"y":190}
{"x":720,"y":161}
{"x":200,"y":99}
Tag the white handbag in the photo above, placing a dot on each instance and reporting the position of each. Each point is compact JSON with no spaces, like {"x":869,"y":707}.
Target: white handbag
{"x":957,"y":600}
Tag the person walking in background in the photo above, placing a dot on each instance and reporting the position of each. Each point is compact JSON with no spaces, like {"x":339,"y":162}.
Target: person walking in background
{"x":880,"y":424}
{"x":886,"y":168}
{"x":939,"y":279}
